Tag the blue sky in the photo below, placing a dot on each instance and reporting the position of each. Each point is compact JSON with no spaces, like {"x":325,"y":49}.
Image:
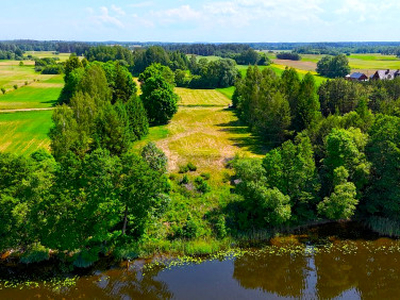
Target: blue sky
{"x":202,"y":20}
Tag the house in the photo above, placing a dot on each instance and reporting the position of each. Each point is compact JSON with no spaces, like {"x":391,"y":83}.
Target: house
{"x":385,"y":74}
{"x":357,"y":76}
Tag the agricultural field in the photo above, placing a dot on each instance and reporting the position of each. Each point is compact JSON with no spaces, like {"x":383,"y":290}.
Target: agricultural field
{"x":48,"y":54}
{"x":24,"y":132}
{"x":205,"y":134}
{"x":366,"y":63}
{"x":25,"y":112}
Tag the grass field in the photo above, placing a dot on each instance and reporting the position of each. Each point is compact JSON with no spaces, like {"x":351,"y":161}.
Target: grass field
{"x":24,"y":132}
{"x":46,"y":54}
{"x":191,"y":97}
{"x":204,"y":132}
{"x":366,"y":63}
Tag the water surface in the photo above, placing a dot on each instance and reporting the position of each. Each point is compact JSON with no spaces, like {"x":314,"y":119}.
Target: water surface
{"x":328,"y":262}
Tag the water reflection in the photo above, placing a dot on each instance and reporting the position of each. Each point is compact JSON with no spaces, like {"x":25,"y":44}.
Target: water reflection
{"x":348,"y":268}
{"x":112,"y":284}
{"x":283,"y":275}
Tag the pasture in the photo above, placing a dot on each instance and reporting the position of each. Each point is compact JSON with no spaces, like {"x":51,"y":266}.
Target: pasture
{"x":24,"y":132}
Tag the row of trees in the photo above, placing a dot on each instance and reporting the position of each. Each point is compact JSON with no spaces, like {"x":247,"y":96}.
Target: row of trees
{"x":323,"y":167}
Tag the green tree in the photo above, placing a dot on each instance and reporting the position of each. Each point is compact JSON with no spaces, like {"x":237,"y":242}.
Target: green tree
{"x":307,"y":110}
{"x":155,"y":157}
{"x":345,"y":148}
{"x":341,"y":204}
{"x":291,"y":169}
{"x":383,"y":151}
{"x":333,"y":67}
{"x":159,"y":100}
{"x":263,"y":206}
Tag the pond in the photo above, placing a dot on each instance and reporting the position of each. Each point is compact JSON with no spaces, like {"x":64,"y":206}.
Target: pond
{"x":335,"y":261}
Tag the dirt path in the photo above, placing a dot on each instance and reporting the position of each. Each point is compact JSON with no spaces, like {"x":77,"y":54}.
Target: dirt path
{"x":25,"y":110}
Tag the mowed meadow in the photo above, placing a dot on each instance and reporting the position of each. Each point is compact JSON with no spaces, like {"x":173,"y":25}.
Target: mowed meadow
{"x":25,"y":111}
{"x":205,"y":132}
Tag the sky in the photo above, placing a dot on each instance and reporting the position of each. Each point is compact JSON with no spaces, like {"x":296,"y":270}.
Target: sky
{"x":202,"y":20}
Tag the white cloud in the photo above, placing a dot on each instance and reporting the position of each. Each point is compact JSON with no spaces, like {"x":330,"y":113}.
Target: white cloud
{"x":366,"y":10}
{"x":183,"y":13}
{"x":118,"y":10}
{"x":243,"y":12}
{"x":105,"y":18}
{"x":141,"y":4}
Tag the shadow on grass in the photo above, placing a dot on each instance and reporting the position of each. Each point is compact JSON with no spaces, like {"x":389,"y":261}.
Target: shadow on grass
{"x":243,"y":138}
{"x":52,"y":102}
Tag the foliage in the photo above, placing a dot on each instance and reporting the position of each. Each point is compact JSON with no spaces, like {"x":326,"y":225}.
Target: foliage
{"x":159,"y":99}
{"x":341,"y":204}
{"x":288,"y":55}
{"x":262,"y":206}
{"x":383,"y":150}
{"x":262,"y":105}
{"x":156,"y":159}
{"x":333,"y":67}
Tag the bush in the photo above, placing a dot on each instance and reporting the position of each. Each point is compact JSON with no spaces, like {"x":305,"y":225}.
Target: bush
{"x":3,"y":90}
{"x":191,"y":167}
{"x":201,"y":185}
{"x":35,"y":253}
{"x":206,"y":176}
{"x":183,"y":169}
{"x":21,"y":63}
{"x":15,"y":87}
{"x":185,"y":179}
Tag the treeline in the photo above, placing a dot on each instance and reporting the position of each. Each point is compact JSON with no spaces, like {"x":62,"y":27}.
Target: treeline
{"x":91,"y":196}
{"x":334,"y":151}
{"x":288,"y":55}
{"x":187,"y":72}
{"x":60,"y":46}
{"x":223,"y":50}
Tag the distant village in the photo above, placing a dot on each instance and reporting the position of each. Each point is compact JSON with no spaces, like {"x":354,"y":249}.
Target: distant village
{"x":378,"y":75}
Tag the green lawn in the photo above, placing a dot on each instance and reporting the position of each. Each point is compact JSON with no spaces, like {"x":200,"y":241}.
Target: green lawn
{"x":24,"y":132}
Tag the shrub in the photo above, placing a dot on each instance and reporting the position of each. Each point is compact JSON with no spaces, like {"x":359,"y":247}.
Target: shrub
{"x":15,"y":87}
{"x":206,"y":176}
{"x":3,"y":90}
{"x":185,"y":179}
{"x":183,"y":169}
{"x":191,"y":167}
{"x":35,"y":253}
{"x":21,"y":63}
{"x":201,"y":185}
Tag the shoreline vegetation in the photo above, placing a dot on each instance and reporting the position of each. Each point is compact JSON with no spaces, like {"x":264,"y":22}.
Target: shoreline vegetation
{"x":162,"y":165}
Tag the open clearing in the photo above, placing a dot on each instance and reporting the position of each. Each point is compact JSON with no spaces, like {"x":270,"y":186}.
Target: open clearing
{"x":25,"y":132}
{"x":190,"y":97}
{"x":209,"y":136}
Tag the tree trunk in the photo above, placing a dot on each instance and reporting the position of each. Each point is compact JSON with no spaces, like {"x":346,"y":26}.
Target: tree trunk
{"x":125,"y":220}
